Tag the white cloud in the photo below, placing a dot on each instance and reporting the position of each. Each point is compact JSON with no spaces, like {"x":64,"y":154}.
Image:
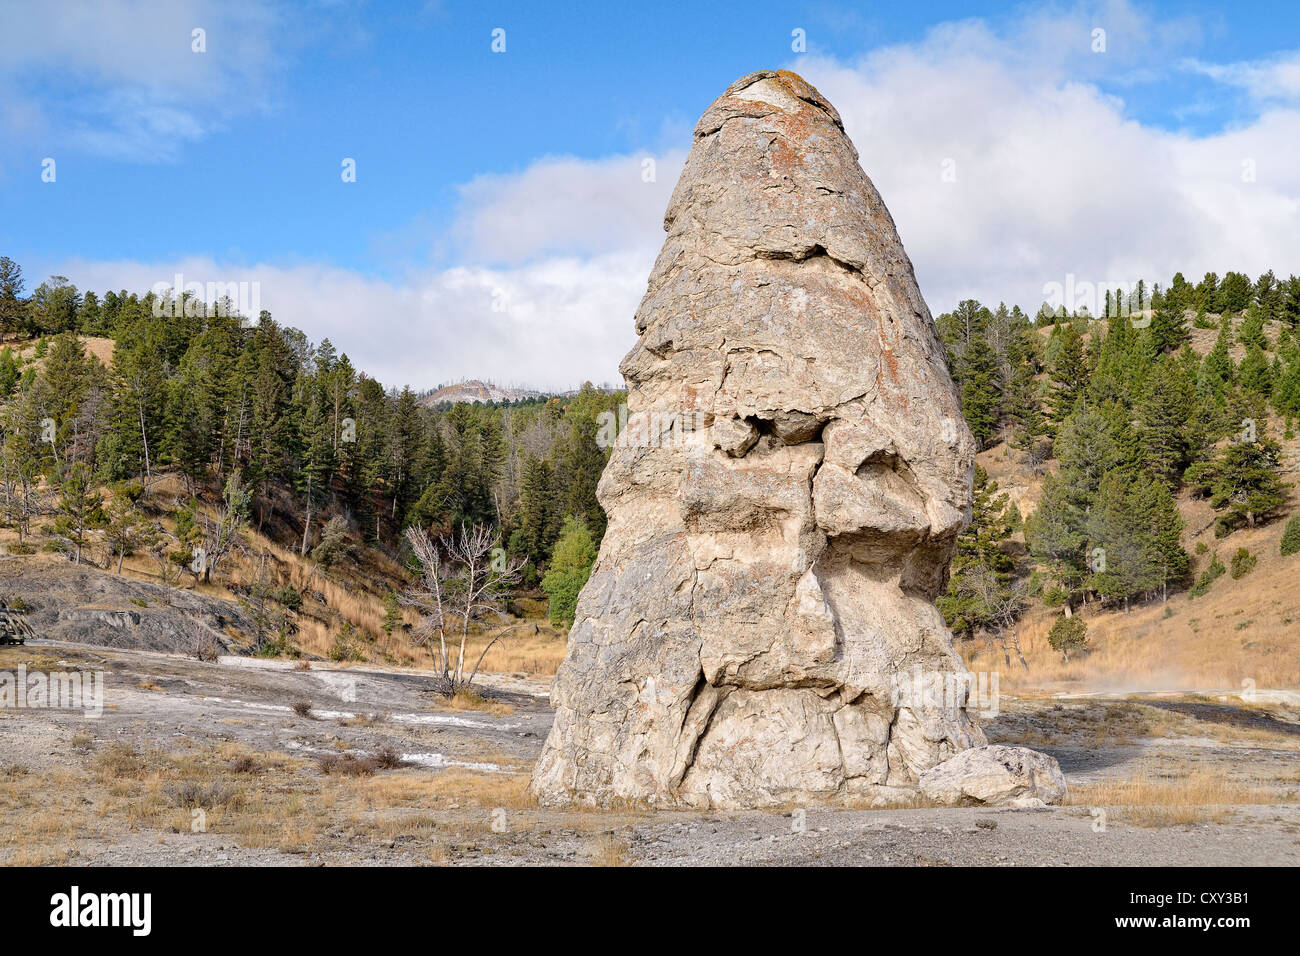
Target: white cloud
{"x":1053,"y":178}
{"x":121,"y":78}
{"x":1276,"y":79}
{"x":560,"y":256}
{"x":549,"y":324}
{"x":567,"y":205}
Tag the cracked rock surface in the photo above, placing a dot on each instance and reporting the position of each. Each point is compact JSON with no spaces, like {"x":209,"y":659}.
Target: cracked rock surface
{"x":783,"y":502}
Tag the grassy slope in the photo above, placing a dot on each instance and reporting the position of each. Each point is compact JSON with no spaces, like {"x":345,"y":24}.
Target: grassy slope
{"x":352,"y":592}
{"x":1241,"y":630}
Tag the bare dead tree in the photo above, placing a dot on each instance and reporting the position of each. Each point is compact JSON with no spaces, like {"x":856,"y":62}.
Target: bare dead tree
{"x":160,"y":551}
{"x":1004,"y":604}
{"x":1037,"y":455}
{"x":486,"y":577}
{"x":464,"y":577}
{"x":428,"y":598}
{"x":222,"y":533}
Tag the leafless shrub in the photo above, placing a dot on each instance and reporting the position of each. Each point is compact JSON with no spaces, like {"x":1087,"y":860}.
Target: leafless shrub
{"x":244,"y":764}
{"x":464,"y":577}
{"x":351,"y":765}
{"x":206,"y":648}
{"x":120,"y":760}
{"x":189,"y":795}
{"x":347,"y":765}
{"x":389,"y":759}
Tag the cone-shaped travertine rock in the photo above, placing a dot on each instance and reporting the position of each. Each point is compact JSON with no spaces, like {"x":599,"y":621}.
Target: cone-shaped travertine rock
{"x":783,"y":502}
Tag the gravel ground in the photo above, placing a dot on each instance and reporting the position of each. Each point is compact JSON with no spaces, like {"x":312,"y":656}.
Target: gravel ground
{"x":459,"y":798}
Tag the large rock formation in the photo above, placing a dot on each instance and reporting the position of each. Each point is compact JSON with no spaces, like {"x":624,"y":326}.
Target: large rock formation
{"x":783,"y":502}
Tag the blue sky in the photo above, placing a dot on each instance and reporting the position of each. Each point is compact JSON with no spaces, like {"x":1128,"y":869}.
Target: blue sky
{"x":486,"y":176}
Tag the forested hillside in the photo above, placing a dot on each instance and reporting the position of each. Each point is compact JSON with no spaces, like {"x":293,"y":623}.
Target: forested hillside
{"x":1115,"y":431}
{"x":1102,"y":437}
{"x":107,"y":398}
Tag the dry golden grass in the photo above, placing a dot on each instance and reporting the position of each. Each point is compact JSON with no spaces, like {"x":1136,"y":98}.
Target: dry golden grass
{"x":465,"y":788}
{"x":121,"y":790}
{"x":92,"y":345}
{"x":609,"y":850}
{"x":12,"y":657}
{"x":1244,"y":630}
{"x":349,"y":595}
{"x":1151,"y":796}
{"x":467,"y":698}
{"x":1241,"y":630}
{"x":521,"y":651}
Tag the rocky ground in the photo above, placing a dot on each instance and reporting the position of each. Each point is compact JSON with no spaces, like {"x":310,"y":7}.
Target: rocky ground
{"x":257,"y":762}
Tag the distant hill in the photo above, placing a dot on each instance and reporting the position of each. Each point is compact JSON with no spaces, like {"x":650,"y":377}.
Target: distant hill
{"x":477,"y":391}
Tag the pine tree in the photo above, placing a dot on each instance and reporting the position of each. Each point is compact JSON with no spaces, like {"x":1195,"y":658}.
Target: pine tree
{"x":405,"y":439}
{"x":1243,"y":482}
{"x":1068,"y":634}
{"x":318,"y":452}
{"x":1290,"y":543}
{"x":579,"y":465}
{"x":1234,"y":292}
{"x":13,"y":307}
{"x":1255,"y":373}
{"x":1164,"y":416}
{"x":1123,"y":360}
{"x":1056,"y":535}
{"x":21,"y":458}
{"x":1251,"y":332}
{"x":270,"y":424}
{"x":127,"y":529}
{"x":88,"y":316}
{"x":53,"y":306}
{"x":392,"y":619}
{"x":1286,"y":387}
{"x":982,"y":567}
{"x":1181,"y":293}
{"x":68,"y":389}
{"x":1168,"y":329}
{"x":1115,"y":545}
{"x":136,"y":426}
{"x":1218,"y":368}
{"x":974,"y":364}
{"x":79,"y":510}
{"x":1290,"y":310}
{"x":980,"y":382}
{"x":539,"y":522}
{"x":1068,"y":372}
{"x":1207,"y":292}
{"x":1164,"y":560}
{"x":368,"y":457}
{"x":1087,"y":449}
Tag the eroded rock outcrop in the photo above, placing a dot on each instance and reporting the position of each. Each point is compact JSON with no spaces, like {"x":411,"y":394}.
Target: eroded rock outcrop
{"x":784,"y":500}
{"x":79,"y":603}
